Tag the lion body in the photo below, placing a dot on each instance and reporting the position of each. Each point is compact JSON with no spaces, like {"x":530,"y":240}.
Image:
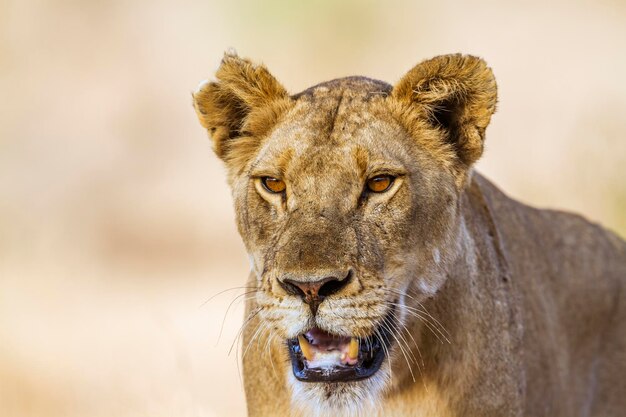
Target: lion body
{"x":500,"y":309}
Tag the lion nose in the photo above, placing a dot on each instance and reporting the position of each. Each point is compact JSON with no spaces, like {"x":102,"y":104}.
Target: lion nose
{"x":314,"y":292}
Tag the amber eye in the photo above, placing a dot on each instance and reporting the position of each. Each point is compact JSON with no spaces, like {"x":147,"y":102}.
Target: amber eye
{"x":380,"y":183}
{"x":273,"y":185}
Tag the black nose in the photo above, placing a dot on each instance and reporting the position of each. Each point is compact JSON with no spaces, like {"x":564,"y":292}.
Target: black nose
{"x":314,"y":292}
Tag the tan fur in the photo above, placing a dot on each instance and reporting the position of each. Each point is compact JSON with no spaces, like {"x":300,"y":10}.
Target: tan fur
{"x":504,"y":310}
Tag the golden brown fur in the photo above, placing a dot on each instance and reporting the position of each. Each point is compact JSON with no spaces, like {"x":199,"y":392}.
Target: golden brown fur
{"x":504,"y":310}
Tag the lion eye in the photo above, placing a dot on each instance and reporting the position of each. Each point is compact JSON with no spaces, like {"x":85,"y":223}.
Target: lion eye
{"x":273,"y":185}
{"x":380,"y":183}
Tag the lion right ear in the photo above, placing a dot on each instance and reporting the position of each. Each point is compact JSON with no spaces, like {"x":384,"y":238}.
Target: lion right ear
{"x":244,"y":103}
{"x":456,"y":94}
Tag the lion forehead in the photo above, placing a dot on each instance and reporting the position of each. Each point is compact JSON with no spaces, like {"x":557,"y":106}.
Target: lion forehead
{"x":331,"y":126}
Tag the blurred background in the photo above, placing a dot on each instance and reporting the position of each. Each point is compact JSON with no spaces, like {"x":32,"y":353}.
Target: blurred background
{"x":116,"y":225}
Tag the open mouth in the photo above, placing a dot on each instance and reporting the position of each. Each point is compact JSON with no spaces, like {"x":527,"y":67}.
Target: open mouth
{"x":319,"y":356}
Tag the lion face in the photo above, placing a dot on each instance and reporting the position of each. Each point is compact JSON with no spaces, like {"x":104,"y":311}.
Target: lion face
{"x":347,"y":198}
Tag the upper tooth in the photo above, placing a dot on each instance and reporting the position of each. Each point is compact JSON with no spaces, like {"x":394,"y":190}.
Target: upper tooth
{"x":305,"y":347}
{"x":353,"y":349}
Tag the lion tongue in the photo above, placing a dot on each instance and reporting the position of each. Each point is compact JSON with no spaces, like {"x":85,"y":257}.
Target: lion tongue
{"x":324,"y":350}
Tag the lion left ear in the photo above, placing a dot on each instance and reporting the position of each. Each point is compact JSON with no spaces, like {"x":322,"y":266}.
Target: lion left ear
{"x":455,"y":93}
{"x":227,"y":106}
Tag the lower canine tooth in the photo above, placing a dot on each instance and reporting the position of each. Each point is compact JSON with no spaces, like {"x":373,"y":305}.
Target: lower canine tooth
{"x":353,"y":349}
{"x":305,"y":347}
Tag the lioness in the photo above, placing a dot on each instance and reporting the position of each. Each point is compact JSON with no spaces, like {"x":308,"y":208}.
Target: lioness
{"x":389,"y":278}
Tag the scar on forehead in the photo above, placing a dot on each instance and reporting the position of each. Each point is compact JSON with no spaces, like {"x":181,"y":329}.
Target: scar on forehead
{"x":361,"y":156}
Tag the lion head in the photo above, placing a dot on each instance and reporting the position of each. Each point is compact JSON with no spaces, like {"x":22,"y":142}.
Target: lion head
{"x":347,"y":200}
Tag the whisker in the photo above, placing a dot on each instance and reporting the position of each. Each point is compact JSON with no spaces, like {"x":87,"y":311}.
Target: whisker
{"x":243,"y":326}
{"x":391,"y":326}
{"x":382,"y":342}
{"x":434,"y":319}
{"x":430,"y":326}
{"x":226,"y":313}
{"x":425,"y":310}
{"x":226,"y":290}
{"x":406,"y":329}
{"x":409,"y":292}
{"x":259,"y":328}
{"x":425,"y":319}
{"x":268,"y":351}
{"x":423,"y":366}
{"x":406,"y":358}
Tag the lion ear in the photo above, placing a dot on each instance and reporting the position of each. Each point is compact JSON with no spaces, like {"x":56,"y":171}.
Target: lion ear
{"x":245,"y":101}
{"x":455,"y":93}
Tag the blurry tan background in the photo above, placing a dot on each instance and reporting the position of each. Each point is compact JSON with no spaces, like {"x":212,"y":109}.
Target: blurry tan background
{"x":115,"y":221}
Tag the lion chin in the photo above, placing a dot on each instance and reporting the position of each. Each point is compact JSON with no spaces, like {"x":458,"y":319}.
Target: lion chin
{"x":389,"y":278}
{"x":338,"y":398}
